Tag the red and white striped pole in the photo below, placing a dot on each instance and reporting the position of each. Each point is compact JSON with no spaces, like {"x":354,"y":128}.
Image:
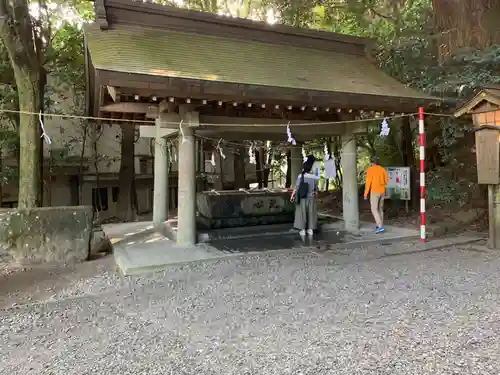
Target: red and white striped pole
{"x":422,"y":172}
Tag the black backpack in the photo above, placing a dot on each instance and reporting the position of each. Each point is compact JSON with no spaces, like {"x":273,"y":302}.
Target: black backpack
{"x":303,"y":189}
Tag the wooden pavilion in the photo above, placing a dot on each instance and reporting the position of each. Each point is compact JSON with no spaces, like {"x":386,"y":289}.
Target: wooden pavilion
{"x":219,"y":76}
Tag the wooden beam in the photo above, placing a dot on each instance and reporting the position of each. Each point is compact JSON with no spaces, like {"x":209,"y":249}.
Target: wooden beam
{"x":98,"y":98}
{"x":150,"y":131}
{"x":114,"y":93}
{"x":244,"y":125}
{"x":153,"y":112}
{"x":260,"y":136}
{"x":311,"y":130}
{"x":240,"y":137}
{"x":248,"y":121}
{"x":127,"y":107}
{"x":101,"y":14}
{"x":213,"y":90}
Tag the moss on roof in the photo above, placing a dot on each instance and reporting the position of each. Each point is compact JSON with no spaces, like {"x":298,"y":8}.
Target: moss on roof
{"x":193,"y":56}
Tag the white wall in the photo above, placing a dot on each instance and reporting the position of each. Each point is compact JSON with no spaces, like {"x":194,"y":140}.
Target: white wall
{"x":58,"y":192}
{"x":65,"y":132}
{"x":108,"y":148}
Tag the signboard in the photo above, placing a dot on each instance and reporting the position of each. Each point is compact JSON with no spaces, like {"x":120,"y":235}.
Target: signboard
{"x":398,"y":183}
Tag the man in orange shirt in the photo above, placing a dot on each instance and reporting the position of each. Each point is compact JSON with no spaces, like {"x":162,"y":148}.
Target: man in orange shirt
{"x":376,"y":181}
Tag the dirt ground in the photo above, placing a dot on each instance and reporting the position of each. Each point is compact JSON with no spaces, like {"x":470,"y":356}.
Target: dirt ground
{"x":20,"y":286}
{"x":331,"y":203}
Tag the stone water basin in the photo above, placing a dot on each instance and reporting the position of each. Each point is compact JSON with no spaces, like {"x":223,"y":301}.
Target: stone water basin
{"x":238,"y":208}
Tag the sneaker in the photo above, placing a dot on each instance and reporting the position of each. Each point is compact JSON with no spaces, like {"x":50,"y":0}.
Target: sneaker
{"x":302,"y":233}
{"x":376,"y":228}
{"x":379,"y":230}
{"x":310,"y":232}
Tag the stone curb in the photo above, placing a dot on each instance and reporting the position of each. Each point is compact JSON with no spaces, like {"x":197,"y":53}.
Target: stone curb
{"x":433,"y":245}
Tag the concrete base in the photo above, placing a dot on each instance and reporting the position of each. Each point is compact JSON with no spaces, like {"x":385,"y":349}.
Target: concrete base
{"x":206,"y":235}
{"x":153,"y":251}
{"x":156,"y":252}
{"x":121,"y":233}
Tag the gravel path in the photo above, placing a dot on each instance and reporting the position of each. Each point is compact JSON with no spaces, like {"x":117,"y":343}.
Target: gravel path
{"x":427,"y":313}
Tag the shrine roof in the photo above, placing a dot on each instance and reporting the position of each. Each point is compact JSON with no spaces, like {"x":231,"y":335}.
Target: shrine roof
{"x":489,"y":94}
{"x":269,"y":57}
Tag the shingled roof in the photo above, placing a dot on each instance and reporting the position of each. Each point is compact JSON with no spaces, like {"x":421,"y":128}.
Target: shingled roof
{"x":192,"y":56}
{"x":145,"y":48}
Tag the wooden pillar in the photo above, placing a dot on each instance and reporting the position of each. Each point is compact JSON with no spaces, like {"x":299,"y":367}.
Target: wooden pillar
{"x":488,"y":169}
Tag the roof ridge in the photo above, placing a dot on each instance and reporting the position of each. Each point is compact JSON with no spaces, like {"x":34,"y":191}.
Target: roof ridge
{"x":128,"y":28}
{"x":146,"y":13}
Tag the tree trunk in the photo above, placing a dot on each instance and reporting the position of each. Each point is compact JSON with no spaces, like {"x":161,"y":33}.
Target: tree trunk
{"x":407,"y":143}
{"x":1,"y":176}
{"x":258,"y":169}
{"x":47,"y":182}
{"x":264,"y":168}
{"x":239,"y":168}
{"x":471,"y":25}
{"x":95,"y":156}
{"x":288,"y":179}
{"x":408,"y":153}
{"x":126,"y":208}
{"x":221,"y":173}
{"x":29,"y":88}
{"x":266,"y":171}
{"x":24,"y":46}
{"x":337,"y":152}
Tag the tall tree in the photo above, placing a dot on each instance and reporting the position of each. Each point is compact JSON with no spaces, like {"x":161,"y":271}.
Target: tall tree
{"x":23,"y":38}
{"x":297,"y":13}
{"x":126,"y":208}
{"x":39,"y":39}
{"x":470,"y":26}
{"x":239,"y":168}
{"x":238,"y":8}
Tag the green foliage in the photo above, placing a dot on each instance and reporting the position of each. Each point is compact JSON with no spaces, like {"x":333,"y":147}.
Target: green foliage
{"x":406,"y":47}
{"x":295,"y":13}
{"x":66,"y":59}
{"x":238,"y":8}
{"x":46,"y":49}
{"x":8,"y":92}
{"x":441,"y":187}
{"x":9,"y":145}
{"x":9,"y":137}
{"x":451,"y":137}
{"x":9,"y":140}
{"x":465,"y":71}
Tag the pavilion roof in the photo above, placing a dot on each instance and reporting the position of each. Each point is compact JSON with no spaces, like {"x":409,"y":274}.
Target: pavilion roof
{"x":143,"y":49}
{"x":167,"y":53}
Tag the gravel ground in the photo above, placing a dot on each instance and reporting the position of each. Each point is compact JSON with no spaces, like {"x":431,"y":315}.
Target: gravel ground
{"x":425,"y":313}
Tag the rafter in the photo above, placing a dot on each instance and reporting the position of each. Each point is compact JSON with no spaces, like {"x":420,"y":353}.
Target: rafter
{"x":114,"y":93}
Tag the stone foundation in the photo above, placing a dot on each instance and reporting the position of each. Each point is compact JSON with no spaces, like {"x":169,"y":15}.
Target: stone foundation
{"x":239,"y":208}
{"x":57,"y":235}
